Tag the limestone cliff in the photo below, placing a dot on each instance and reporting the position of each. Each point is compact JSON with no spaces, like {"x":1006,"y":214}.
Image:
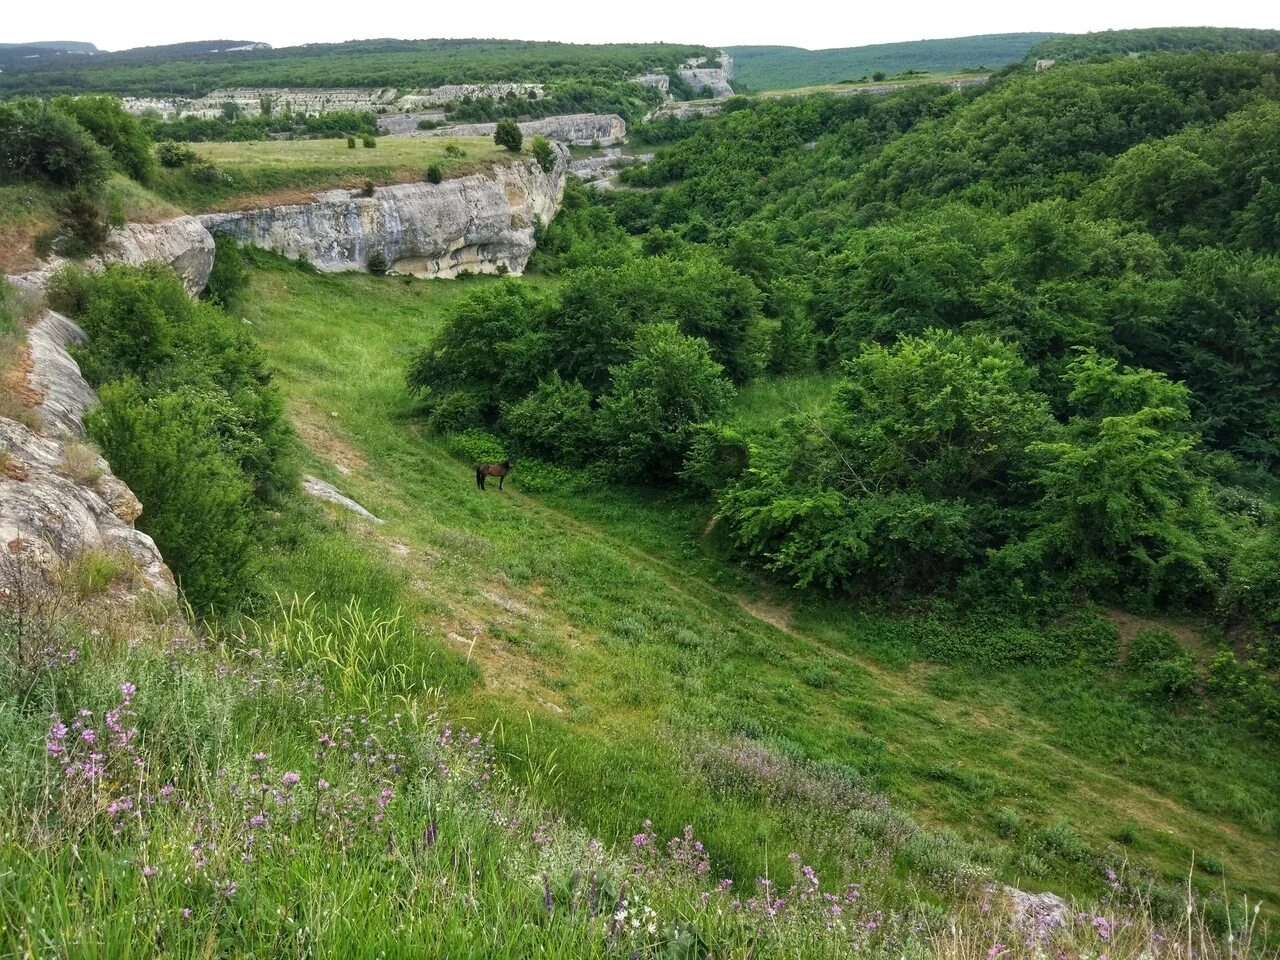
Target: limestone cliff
{"x":481,"y":223}
{"x":49,"y":510}
{"x":579,"y":129}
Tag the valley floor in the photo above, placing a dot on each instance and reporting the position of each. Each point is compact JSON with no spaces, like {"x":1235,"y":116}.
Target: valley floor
{"x":619,"y":657}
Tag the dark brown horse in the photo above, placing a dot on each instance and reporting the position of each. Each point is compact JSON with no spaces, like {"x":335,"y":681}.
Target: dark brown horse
{"x":499,"y":470}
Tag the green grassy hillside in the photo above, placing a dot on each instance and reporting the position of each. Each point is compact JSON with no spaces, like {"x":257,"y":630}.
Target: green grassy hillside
{"x":613,"y":621}
{"x":776,"y":68}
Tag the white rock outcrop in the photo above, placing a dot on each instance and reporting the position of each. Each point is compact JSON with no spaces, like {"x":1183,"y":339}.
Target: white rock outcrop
{"x":53,"y":517}
{"x":482,"y":223}
{"x":322,"y":490}
{"x":52,"y":513}
{"x":579,"y":129}
{"x":182,"y":243}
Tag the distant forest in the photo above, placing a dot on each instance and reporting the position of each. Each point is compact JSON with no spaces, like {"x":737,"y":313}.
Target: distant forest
{"x":780,"y":68}
{"x":362,"y":63}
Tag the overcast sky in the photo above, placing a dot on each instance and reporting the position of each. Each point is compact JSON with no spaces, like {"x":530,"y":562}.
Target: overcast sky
{"x":802,"y":23}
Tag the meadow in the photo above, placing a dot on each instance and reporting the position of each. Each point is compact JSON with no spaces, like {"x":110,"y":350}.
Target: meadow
{"x":263,"y":171}
{"x":610,"y":624}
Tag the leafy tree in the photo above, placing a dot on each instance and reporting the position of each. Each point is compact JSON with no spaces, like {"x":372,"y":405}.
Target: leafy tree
{"x":1121,"y":509}
{"x":115,"y":129}
{"x":229,"y":278}
{"x":38,"y":141}
{"x":556,"y":421}
{"x":542,"y":150}
{"x":656,"y":400}
{"x":915,"y":469}
{"x":507,"y":134}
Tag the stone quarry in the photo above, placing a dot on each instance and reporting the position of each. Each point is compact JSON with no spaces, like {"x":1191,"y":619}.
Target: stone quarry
{"x":579,"y":129}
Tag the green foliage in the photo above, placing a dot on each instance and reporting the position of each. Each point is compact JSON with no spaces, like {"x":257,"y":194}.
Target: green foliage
{"x":543,"y":152}
{"x":198,"y":500}
{"x":656,"y":400}
{"x":229,"y":278}
{"x":106,"y":120}
{"x":776,"y":68}
{"x":1109,"y":43}
{"x":508,"y":135}
{"x":555,"y":422}
{"x":188,"y":418}
{"x":1151,"y":645}
{"x":377,"y":263}
{"x":175,"y":155}
{"x":916,"y":468}
{"x":359,"y":63}
{"x":40,"y":141}
{"x":368,"y":140}
{"x":434,"y":174}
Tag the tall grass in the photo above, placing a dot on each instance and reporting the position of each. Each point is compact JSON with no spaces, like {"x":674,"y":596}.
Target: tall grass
{"x":245,"y":795}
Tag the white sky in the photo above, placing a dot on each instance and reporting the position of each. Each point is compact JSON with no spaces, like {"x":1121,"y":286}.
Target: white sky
{"x":803,"y":23}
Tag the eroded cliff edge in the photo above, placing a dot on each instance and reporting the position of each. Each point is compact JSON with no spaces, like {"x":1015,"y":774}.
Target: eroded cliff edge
{"x":482,"y":223}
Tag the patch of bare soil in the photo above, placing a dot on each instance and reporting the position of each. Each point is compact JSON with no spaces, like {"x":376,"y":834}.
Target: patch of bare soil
{"x":1128,"y":625}
{"x":341,"y":454}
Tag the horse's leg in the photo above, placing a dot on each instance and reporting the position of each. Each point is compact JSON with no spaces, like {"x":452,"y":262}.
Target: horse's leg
{"x":500,"y":479}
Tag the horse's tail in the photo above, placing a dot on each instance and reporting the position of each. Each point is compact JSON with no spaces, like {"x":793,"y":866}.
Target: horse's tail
{"x":480,"y":477}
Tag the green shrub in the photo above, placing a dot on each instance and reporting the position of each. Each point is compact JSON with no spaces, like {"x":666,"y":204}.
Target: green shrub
{"x":455,"y":412}
{"x":434,"y":173}
{"x":1008,"y":823}
{"x":369,"y":140}
{"x":453,"y":150}
{"x":507,"y":134}
{"x":229,"y":278}
{"x":478,"y":446}
{"x":1062,"y":839}
{"x":367,"y":189}
{"x":1126,"y":833}
{"x":555,"y":422}
{"x":206,"y":172}
{"x":168,"y":448}
{"x":1151,"y":645}
{"x":543,"y":152}
{"x":82,"y":216}
{"x":115,"y":129}
{"x":351,"y":143}
{"x":377,"y":263}
{"x":175,"y":155}
{"x":646,"y":420}
{"x":38,"y":141}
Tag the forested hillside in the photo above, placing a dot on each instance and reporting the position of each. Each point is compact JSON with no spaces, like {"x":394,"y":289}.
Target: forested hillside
{"x":1110,"y":43}
{"x":358,"y":63}
{"x":888,"y":544}
{"x":781,"y":68}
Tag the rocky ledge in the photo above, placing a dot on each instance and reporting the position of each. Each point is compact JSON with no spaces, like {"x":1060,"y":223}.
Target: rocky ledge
{"x":482,"y":223}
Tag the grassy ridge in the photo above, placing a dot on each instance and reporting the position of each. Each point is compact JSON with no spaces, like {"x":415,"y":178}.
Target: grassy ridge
{"x":257,"y":170}
{"x":777,"y":68}
{"x":612,"y":621}
{"x":359,"y":63}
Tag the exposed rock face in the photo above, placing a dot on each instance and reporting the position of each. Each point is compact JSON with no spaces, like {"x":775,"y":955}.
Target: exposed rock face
{"x":182,"y":243}
{"x":1043,"y":65}
{"x":54,"y":517}
{"x":1037,"y":910}
{"x":56,"y":376}
{"x":481,"y":223}
{"x":45,"y":512}
{"x":398,"y":124}
{"x":319,"y":100}
{"x":580,"y":129}
{"x":327,"y":492}
{"x":682,"y":111}
{"x":708,"y":78}
{"x":594,"y":168}
{"x":659,"y":80}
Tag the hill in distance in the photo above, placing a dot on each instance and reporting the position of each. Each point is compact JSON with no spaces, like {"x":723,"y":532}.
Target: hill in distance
{"x":780,"y":68}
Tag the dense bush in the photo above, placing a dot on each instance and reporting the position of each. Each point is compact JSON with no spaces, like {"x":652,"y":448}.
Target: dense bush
{"x":229,"y":278}
{"x":543,"y":152}
{"x":189,"y":419}
{"x":40,"y":141}
{"x":113,"y":128}
{"x":507,"y":134}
